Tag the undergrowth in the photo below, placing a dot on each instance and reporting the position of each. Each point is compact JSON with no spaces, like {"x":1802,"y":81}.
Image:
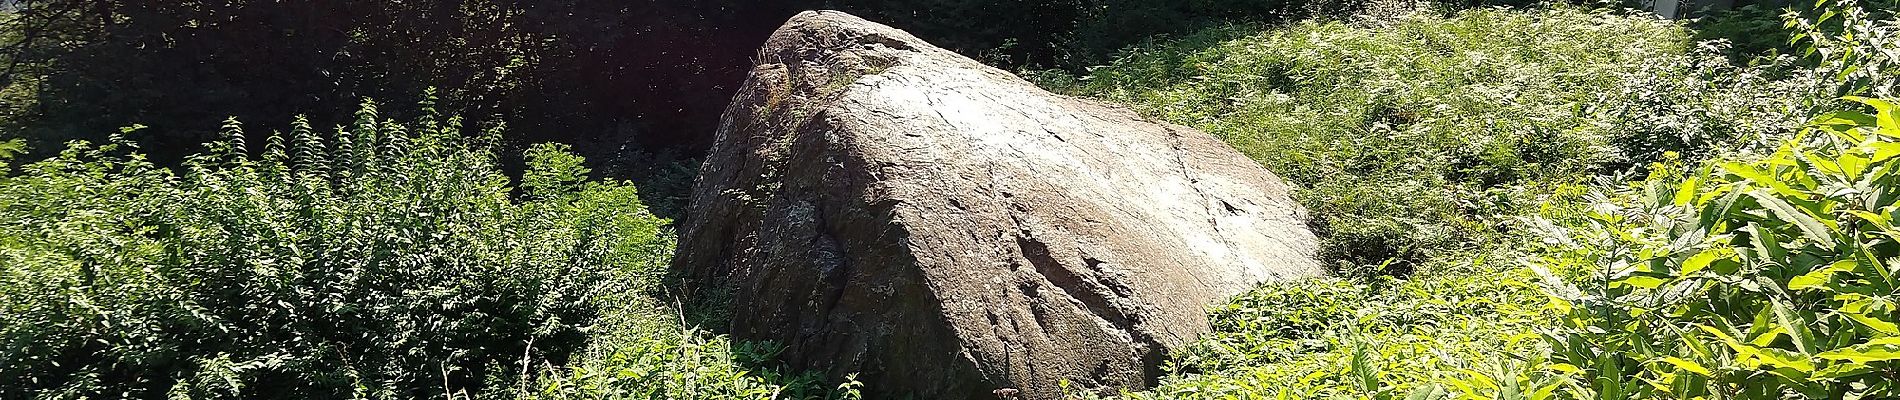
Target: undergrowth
{"x":1414,"y":139}
{"x":1438,"y":153}
{"x":386,"y":259}
{"x":1472,"y":175}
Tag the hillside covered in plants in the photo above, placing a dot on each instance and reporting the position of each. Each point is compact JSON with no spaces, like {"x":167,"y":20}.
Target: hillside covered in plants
{"x":401,"y":199}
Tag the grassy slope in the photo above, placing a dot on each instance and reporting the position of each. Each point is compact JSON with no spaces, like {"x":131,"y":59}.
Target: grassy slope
{"x":1419,"y":143}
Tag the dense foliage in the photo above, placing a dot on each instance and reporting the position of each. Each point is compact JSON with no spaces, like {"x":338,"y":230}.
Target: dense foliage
{"x":387,"y":259}
{"x":1472,"y":173}
{"x":1449,"y":156}
{"x":1755,"y":279}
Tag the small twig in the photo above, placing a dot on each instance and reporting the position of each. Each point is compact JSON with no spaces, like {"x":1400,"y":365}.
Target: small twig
{"x":521,"y":389}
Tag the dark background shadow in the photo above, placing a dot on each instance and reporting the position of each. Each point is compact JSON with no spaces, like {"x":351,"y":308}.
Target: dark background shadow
{"x":636,"y":86}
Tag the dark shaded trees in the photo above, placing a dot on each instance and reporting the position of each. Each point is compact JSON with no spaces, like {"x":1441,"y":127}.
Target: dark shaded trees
{"x":609,"y":77}
{"x":561,"y":70}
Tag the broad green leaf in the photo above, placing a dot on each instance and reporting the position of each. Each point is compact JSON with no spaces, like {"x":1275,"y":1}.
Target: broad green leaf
{"x":1787,"y":359}
{"x":1852,"y":166}
{"x":1812,"y":280}
{"x":1762,"y":330}
{"x":1818,"y":279}
{"x":1885,"y":327}
{"x":1547,"y":392}
{"x":1686,"y":193}
{"x":1880,"y":221}
{"x":1825,"y":165}
{"x":1865,"y":353}
{"x":1427,"y":392}
{"x":1462,"y":387}
{"x":1661,"y":382}
{"x":1643,"y":281}
{"x":1767,"y":244}
{"x":1887,"y":114}
{"x":1719,"y":207}
{"x":1796,"y":326}
{"x":1760,"y":178}
{"x":1872,"y":262}
{"x":1565,"y":368}
{"x":1853,"y":303}
{"x":1882,"y":151}
{"x":1480,"y":379}
{"x":1687,"y":365}
{"x":1697,"y":347}
{"x":1813,"y":229}
{"x":1742,"y":349}
{"x":1702,"y":260}
{"x":1843,"y":126}
{"x":1843,"y":370}
{"x":1878,"y":174}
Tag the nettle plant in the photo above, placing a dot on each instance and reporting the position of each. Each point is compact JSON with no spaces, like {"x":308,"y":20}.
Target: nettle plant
{"x":1768,"y":278}
{"x":388,"y":259}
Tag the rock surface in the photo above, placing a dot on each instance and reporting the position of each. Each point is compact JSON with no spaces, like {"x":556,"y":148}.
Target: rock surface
{"x":882,"y":206}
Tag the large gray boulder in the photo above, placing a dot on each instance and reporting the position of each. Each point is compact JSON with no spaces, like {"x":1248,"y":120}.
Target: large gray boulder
{"x":882,"y":206}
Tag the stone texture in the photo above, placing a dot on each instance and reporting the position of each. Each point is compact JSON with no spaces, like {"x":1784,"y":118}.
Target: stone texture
{"x":882,"y":206}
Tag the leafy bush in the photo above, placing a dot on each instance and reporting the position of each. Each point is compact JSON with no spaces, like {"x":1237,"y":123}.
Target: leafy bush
{"x":1755,"y":278}
{"x":386,"y":259}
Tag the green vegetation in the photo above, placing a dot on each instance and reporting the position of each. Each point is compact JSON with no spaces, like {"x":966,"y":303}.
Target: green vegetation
{"x":1474,"y":174}
{"x":1746,"y":279}
{"x":1421,"y":138}
{"x":385,"y":260}
{"x":1457,"y":162}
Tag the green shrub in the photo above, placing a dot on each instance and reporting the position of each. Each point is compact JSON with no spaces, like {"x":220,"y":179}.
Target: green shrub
{"x":1747,"y":278}
{"x":387,"y":259}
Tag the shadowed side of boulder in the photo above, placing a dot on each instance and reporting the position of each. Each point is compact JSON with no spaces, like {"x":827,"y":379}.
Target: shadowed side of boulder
{"x":882,"y":206}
